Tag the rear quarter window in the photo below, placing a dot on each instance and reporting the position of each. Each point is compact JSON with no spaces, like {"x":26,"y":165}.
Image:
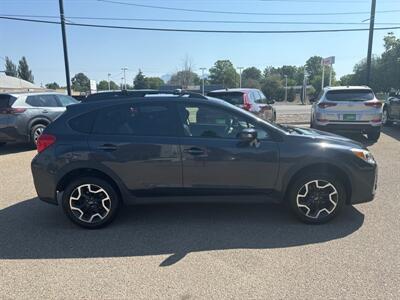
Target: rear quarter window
{"x":6,"y":100}
{"x":350,"y":95}
{"x":83,"y":123}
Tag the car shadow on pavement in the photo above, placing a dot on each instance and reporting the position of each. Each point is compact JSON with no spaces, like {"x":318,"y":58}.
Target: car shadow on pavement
{"x":35,"y":230}
{"x":393,"y":131}
{"x":15,"y":148}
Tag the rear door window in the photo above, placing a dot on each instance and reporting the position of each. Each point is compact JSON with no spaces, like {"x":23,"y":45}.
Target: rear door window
{"x":235,"y":98}
{"x":350,"y":95}
{"x":83,"y":123}
{"x":42,"y":101}
{"x":138,"y":119}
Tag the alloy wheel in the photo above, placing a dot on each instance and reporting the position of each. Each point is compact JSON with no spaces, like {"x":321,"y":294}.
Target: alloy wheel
{"x":90,"y":203}
{"x":37,"y":133}
{"x":317,"y":199}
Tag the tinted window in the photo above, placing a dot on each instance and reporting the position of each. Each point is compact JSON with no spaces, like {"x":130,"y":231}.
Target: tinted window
{"x":42,"y":101}
{"x":235,"y":98}
{"x":6,"y":100}
{"x":350,"y":95}
{"x":66,"y":100}
{"x":261,"y":98}
{"x":83,"y":123}
{"x":137,"y":119}
{"x":206,"y":121}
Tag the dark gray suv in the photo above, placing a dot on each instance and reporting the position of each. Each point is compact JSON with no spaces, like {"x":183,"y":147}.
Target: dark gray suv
{"x":23,"y":117}
{"x":101,"y":154}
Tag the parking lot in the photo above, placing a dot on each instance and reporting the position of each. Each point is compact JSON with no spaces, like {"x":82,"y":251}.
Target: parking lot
{"x":200,"y":250}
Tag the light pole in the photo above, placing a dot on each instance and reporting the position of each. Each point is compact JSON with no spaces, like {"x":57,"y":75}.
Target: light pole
{"x":202,"y":75}
{"x":285,"y":87}
{"x":370,"y":40}
{"x":109,"y":86}
{"x":64,"y":39}
{"x":124,"y":70}
{"x":240,"y":76}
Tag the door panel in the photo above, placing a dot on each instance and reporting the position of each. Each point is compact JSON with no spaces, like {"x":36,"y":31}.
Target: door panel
{"x":214,"y":158}
{"x":139,"y":142}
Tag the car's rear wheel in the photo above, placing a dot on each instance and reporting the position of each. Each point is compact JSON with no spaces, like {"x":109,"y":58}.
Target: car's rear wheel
{"x":36,"y":132}
{"x":90,"y":202}
{"x":374,"y":135}
{"x":385,"y":118}
{"x":316,"y":198}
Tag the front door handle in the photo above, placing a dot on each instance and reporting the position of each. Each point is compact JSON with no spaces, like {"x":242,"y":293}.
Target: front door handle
{"x":195,"y":151}
{"x":108,"y":147}
{"x":45,"y":111}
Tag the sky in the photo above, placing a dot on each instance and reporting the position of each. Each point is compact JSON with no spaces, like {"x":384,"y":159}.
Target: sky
{"x":99,"y":51}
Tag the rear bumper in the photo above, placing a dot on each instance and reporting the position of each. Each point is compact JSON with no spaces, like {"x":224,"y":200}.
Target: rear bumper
{"x":43,"y":180}
{"x":348,"y":126}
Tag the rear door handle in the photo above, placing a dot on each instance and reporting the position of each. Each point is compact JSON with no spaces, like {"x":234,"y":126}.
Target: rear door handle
{"x":195,"y":151}
{"x":45,"y":111}
{"x":108,"y":147}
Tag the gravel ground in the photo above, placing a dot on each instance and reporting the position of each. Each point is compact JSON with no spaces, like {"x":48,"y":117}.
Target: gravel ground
{"x":200,"y":251}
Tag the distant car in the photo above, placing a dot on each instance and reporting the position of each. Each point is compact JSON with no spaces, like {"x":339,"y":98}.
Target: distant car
{"x":99,"y":155}
{"x":252,"y":100}
{"x":23,"y":117}
{"x":391,"y":110}
{"x":348,"y":108}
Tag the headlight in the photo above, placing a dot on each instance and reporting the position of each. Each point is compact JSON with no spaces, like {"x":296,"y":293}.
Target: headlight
{"x":365,"y":155}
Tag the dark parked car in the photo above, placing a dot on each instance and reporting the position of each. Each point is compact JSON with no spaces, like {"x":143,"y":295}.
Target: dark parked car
{"x":252,"y":100}
{"x":391,"y":110}
{"x":23,"y":117}
{"x":99,"y":155}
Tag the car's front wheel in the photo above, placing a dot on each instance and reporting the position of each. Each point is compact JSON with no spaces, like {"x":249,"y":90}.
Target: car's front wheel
{"x":90,"y":202}
{"x":316,"y":198}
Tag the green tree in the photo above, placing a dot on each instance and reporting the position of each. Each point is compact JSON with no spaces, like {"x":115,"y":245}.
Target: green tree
{"x":273,"y":88}
{"x":103,"y":85}
{"x":223,"y":72}
{"x":10,"y":68}
{"x":80,"y":83}
{"x":140,"y":81}
{"x":184,"y":78}
{"x":154,"y":82}
{"x":23,"y":70}
{"x":251,"y":78}
{"x":52,"y":86}
{"x":291,"y":95}
{"x":314,"y":71}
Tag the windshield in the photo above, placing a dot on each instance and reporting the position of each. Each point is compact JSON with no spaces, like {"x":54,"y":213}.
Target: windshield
{"x":350,"y":95}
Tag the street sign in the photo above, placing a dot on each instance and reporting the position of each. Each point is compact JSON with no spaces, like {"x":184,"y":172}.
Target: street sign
{"x":328,"y":61}
{"x":93,"y":86}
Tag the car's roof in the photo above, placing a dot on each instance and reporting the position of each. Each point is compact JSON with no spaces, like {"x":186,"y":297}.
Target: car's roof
{"x":233,"y":90}
{"x":16,"y":94}
{"x":348,"y":87}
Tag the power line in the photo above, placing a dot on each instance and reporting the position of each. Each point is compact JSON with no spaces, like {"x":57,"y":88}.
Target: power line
{"x":200,"y":30}
{"x":197,"y":21}
{"x":243,"y":13}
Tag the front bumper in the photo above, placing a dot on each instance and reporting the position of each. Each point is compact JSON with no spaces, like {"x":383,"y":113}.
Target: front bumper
{"x":364,"y":185}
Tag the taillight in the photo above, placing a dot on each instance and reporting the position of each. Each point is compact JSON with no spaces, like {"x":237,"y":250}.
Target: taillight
{"x":12,"y":110}
{"x":45,"y":141}
{"x":375,"y":104}
{"x":246,"y":102}
{"x":326,"y":104}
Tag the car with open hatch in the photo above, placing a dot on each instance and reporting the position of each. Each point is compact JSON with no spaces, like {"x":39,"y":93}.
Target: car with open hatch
{"x":100,"y":155}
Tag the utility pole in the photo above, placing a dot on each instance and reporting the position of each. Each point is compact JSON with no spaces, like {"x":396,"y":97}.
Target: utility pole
{"x":124,"y":70}
{"x":285,"y":88}
{"x":64,"y":38}
{"x":323,"y":75}
{"x":370,"y":40}
{"x":330,"y":75}
{"x":202,"y":76}
{"x":240,"y":76}
{"x":109,"y":86}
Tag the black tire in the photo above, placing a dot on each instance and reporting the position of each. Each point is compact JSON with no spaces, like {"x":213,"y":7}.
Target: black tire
{"x":97,"y":222}
{"x":374,"y":135}
{"x":34,"y":134}
{"x":385,"y":119}
{"x":298,"y":188}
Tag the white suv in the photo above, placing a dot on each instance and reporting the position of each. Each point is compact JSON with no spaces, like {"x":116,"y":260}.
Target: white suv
{"x":348,"y":108}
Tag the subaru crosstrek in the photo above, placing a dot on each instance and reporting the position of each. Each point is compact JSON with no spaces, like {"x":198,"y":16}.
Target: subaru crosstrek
{"x":100,"y":155}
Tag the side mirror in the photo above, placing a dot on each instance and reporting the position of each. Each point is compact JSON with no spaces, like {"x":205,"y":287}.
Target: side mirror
{"x":270,"y":101}
{"x":248,"y":135}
